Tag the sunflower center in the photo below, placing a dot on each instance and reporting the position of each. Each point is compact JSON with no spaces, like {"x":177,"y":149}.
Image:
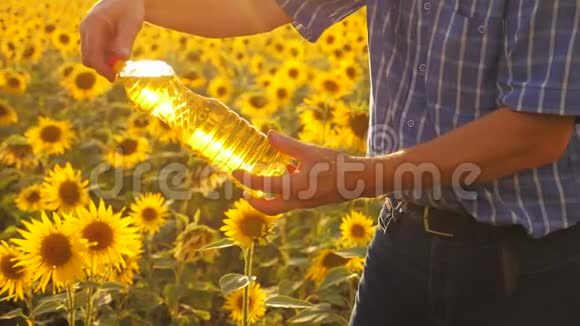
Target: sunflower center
{"x":141,"y":122}
{"x":3,"y":110}
{"x":258,"y":101}
{"x":50,"y":134}
{"x":56,"y":249}
{"x":293,"y":73}
{"x":221,"y":91}
{"x":13,"y":82}
{"x":149,"y":214}
{"x":193,"y":75}
{"x":33,"y":197}
{"x":164,"y":125}
{"x":359,"y":124}
{"x":330,"y":39}
{"x":9,"y":270}
{"x":282,"y":93}
{"x":49,"y":28}
{"x":332,"y":260}
{"x":127,"y":147}
{"x":99,"y":234}
{"x":29,"y":52}
{"x":240,"y":302}
{"x":64,"y":39}
{"x":69,"y":192}
{"x":351,"y":72}
{"x":330,"y":86}
{"x":67,"y":71}
{"x":85,"y":80}
{"x":253,"y":226}
{"x":194,"y":56}
{"x":358,"y":231}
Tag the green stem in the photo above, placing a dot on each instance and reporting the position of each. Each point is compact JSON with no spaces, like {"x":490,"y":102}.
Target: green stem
{"x":90,"y":293}
{"x":248,"y":272}
{"x":70,"y":294}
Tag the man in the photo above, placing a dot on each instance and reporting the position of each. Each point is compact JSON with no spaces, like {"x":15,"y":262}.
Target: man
{"x":473,"y":133}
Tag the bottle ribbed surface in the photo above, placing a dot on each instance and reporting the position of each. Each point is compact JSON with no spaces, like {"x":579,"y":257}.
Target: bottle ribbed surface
{"x":205,"y":126}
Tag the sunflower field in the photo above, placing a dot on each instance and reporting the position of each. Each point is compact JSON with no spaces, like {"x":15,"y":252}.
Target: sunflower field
{"x":106,"y":220}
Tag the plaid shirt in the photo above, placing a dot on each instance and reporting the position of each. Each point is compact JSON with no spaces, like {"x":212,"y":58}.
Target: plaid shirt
{"x":438,"y":64}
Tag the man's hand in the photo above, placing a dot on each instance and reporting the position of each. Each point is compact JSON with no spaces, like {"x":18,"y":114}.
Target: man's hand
{"x":323,"y":176}
{"x":109,"y":30}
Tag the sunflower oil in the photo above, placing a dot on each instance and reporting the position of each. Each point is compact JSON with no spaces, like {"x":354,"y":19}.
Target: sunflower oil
{"x":204,"y":125}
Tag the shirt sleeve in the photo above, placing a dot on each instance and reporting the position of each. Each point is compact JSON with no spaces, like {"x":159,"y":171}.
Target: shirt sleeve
{"x":541,"y":52}
{"x":312,"y":17}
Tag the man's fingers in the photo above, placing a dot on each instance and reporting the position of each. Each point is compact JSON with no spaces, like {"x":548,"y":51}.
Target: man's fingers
{"x":126,"y":33}
{"x":274,"y":206}
{"x":94,"y":46}
{"x":289,"y":145}
{"x":275,"y":185}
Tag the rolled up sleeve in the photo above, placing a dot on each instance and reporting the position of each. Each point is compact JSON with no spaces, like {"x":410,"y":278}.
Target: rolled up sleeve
{"x":542,"y":50}
{"x":313,"y":17}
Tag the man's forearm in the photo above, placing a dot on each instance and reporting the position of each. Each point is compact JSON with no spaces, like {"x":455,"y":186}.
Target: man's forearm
{"x":211,"y":18}
{"x":497,"y":145}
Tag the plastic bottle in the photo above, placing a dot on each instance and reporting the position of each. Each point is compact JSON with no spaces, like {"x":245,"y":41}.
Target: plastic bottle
{"x":204,"y":125}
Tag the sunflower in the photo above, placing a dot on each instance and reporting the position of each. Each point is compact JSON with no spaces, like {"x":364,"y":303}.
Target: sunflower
{"x":353,"y":125}
{"x":163,"y":132}
{"x":30,"y":199}
{"x":18,"y":154}
{"x":257,"y":64}
{"x":109,"y":236}
{"x":14,"y":279}
{"x":14,"y":83}
{"x":31,"y":52}
{"x":333,"y":84}
{"x":7,"y":114}
{"x":193,"y":77}
{"x":53,"y":251}
{"x":139,"y":124}
{"x":220,"y":88}
{"x":281,"y":90}
{"x":264,"y":80}
{"x":124,"y":274}
{"x":64,"y":40}
{"x":317,"y":119}
{"x":128,"y":151}
{"x":257,"y":105}
{"x":294,"y":71}
{"x":85,"y":83}
{"x":257,"y":304}
{"x":191,"y":239}
{"x":149,"y":212}
{"x":245,"y":225}
{"x":50,"y":136}
{"x":326,"y":260}
{"x":64,"y":189}
{"x":65,"y":71}
{"x":356,"y":229}
{"x":265,"y":125}
{"x":351,"y":70}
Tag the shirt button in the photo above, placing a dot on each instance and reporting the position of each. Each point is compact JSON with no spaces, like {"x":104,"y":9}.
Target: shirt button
{"x":482,"y":29}
{"x":411,"y":123}
{"x":422,"y":67}
{"x":427,"y":6}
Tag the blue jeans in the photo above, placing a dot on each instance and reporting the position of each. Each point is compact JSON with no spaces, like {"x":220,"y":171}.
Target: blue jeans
{"x":412,"y":277}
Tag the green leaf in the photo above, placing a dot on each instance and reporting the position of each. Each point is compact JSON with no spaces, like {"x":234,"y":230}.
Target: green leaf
{"x":48,"y":305}
{"x":337,"y":275}
{"x":316,"y":315}
{"x":223,"y":243}
{"x":170,"y":294}
{"x":360,"y":252}
{"x":282,"y":301}
{"x":199,"y":313}
{"x":112,"y":286}
{"x":13,"y":314}
{"x":232,"y":282}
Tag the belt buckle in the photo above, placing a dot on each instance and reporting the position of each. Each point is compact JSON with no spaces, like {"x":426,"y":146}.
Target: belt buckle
{"x":427,"y":226}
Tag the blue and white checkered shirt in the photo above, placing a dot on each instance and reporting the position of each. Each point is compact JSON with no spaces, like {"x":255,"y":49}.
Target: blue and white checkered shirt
{"x":438,"y":64}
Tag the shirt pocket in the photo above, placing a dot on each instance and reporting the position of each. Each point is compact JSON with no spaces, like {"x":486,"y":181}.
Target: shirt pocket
{"x":462,"y":64}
